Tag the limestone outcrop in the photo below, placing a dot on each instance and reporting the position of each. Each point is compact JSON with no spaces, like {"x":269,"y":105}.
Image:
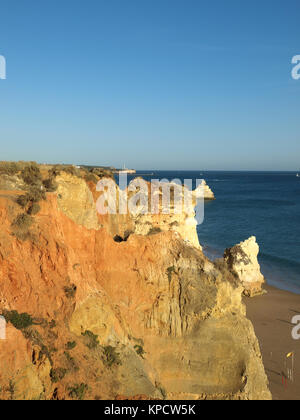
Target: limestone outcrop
{"x":90,"y":317}
{"x":242,"y":260}
{"x":203,"y":190}
{"x":161,"y":207}
{"x":11,"y":182}
{"x":75,"y":199}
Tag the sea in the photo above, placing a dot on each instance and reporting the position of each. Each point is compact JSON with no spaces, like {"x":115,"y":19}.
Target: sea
{"x":261,"y":204}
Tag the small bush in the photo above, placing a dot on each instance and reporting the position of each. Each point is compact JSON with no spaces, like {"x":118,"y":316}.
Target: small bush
{"x":23,"y":200}
{"x":71,"y":345}
{"x":31,"y":175}
{"x":92,"y":339}
{"x":34,"y":195}
{"x":54,"y":171}
{"x":139,"y":350}
{"x":20,"y":227}
{"x":154,"y":231}
{"x":34,"y":209}
{"x":78,"y":391}
{"x":118,"y":239}
{"x":57,"y":375}
{"x":103,"y":173}
{"x":91,"y":178}
{"x":24,"y":236}
{"x":23,"y":222}
{"x":50,"y":185}
{"x":9,"y":168}
{"x":19,"y":321}
{"x":111,"y":356}
{"x":70,"y":170}
{"x":70,"y":291}
{"x":124,"y":238}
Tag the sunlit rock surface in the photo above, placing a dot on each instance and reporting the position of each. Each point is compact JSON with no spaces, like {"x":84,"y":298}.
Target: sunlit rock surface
{"x":242,"y":260}
{"x":145,"y":317}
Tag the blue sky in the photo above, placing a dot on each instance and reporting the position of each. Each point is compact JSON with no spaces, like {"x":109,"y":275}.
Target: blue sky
{"x":160,"y":84}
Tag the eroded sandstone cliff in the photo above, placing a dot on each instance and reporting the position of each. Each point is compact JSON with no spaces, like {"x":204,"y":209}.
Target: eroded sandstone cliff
{"x":92,"y":317}
{"x":242,"y":260}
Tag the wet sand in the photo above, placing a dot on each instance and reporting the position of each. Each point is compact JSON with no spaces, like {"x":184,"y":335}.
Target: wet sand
{"x":271,"y":315}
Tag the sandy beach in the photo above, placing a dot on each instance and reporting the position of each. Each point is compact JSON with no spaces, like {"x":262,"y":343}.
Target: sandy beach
{"x":271,"y":315}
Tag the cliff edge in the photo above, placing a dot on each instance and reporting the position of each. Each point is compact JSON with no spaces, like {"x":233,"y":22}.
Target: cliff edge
{"x":94,"y":315}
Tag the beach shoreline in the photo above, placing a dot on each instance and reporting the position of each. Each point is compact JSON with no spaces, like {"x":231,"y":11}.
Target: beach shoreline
{"x":271,"y":315}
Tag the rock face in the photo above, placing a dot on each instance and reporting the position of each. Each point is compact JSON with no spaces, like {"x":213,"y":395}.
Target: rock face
{"x":171,"y":215}
{"x":175,"y":213}
{"x":204,"y":190}
{"x":149,"y":317}
{"x":76,"y":201}
{"x":11,"y":182}
{"x":242,"y":260}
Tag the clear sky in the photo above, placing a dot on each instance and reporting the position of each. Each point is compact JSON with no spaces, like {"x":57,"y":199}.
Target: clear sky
{"x":155,"y":84}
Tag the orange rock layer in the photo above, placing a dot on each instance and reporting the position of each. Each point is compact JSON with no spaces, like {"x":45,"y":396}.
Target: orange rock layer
{"x":170,"y":323}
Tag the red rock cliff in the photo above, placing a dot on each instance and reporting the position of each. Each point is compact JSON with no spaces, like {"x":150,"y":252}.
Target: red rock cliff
{"x":170,"y":323}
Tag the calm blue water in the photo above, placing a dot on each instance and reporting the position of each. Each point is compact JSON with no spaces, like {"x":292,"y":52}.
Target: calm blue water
{"x":263,"y":204}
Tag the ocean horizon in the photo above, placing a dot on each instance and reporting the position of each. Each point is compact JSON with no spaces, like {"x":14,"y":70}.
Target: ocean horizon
{"x":264,"y":204}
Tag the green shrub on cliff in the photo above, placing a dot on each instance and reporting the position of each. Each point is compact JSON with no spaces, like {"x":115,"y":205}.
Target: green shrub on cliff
{"x":71,"y":345}
{"x":22,"y":222}
{"x":69,"y":169}
{"x":154,"y":231}
{"x":57,"y":374}
{"x":103,"y":173}
{"x":89,"y":177}
{"x":23,"y":200}
{"x":9,"y":168}
{"x":21,"y":225}
{"x":139,"y":350}
{"x":91,"y":339}
{"x":34,"y":209}
{"x":31,"y":175}
{"x":50,"y":185}
{"x":111,"y":356}
{"x":54,"y":171}
{"x":78,"y":391}
{"x":70,"y":291}
{"x":34,"y":195}
{"x":19,"y":321}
